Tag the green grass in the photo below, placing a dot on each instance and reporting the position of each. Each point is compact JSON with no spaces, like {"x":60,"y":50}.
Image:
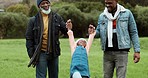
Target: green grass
{"x":14,"y":60}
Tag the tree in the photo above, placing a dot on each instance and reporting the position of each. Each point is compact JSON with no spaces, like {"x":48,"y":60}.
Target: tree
{"x":18,"y":8}
{"x":12,"y":25}
{"x":81,"y":16}
{"x":142,"y":24}
{"x":26,"y":2}
{"x":77,"y":17}
{"x":33,"y":10}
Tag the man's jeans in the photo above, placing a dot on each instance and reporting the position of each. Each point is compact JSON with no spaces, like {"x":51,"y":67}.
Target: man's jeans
{"x":44,"y":63}
{"x":115,"y":59}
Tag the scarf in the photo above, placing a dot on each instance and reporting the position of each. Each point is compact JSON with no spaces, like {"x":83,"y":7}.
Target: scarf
{"x":110,"y":23}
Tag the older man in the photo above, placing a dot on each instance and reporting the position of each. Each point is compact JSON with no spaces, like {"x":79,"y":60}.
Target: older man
{"x":42,"y":40}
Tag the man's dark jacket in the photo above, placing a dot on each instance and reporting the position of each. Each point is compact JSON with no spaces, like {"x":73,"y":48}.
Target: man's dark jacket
{"x":34,"y":35}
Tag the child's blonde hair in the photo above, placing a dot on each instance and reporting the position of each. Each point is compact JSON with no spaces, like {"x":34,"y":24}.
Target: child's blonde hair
{"x":81,"y":39}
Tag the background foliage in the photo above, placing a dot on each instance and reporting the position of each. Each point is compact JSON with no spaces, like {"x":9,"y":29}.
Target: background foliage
{"x":18,"y":8}
{"x":142,"y":20}
{"x":12,"y":25}
{"x":82,"y":13}
{"x":33,"y":10}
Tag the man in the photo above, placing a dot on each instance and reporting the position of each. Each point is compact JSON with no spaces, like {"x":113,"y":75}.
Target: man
{"x":42,"y":40}
{"x":117,"y":30}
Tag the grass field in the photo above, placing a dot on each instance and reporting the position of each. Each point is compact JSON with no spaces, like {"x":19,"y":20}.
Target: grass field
{"x":14,"y":60}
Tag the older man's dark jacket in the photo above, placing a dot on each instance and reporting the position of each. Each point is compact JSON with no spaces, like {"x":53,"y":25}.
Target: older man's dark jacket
{"x":34,"y":34}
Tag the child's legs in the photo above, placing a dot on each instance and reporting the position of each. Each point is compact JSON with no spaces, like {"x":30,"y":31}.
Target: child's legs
{"x":76,"y":75}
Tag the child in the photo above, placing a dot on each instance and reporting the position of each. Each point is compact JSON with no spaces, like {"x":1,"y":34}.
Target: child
{"x":79,"y":51}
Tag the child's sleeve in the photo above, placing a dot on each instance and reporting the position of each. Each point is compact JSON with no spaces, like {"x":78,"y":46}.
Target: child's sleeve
{"x":71,"y":41}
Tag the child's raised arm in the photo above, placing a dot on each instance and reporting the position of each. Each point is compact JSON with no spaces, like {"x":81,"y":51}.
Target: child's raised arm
{"x":71,"y":41}
{"x":92,"y":33}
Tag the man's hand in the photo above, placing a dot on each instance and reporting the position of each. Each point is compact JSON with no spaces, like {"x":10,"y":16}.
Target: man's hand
{"x":91,"y":29}
{"x":69,"y":24}
{"x":136,"y":57}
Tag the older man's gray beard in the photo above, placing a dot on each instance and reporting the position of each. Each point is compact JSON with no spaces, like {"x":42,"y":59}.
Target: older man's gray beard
{"x":45,"y":11}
